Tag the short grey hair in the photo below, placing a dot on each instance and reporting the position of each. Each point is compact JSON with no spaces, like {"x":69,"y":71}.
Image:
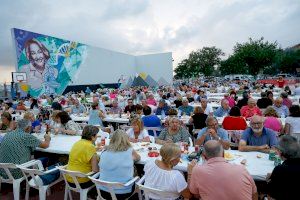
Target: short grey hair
{"x":23,"y":124}
{"x":289,"y":147}
{"x":213,"y":148}
{"x":209,"y":119}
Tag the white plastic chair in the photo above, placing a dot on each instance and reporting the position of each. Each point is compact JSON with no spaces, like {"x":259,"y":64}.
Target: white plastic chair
{"x":74,"y":175}
{"x":35,"y":169}
{"x":154,"y":129}
{"x":11,"y":180}
{"x":110,"y":185}
{"x":146,"y":190}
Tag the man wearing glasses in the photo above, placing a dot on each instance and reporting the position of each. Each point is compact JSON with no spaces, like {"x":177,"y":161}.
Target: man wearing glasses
{"x":130,"y":106}
{"x":257,"y":137}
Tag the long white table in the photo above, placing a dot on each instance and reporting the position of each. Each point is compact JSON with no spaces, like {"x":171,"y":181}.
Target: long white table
{"x":109,"y":118}
{"x":257,"y":167}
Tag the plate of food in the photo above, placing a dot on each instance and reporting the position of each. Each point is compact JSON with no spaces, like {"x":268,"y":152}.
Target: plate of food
{"x":228,"y":156}
{"x":153,"y":154}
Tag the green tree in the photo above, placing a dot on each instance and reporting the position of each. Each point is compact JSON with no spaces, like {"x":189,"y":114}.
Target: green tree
{"x":288,"y":61}
{"x":200,"y":61}
{"x":251,"y":57}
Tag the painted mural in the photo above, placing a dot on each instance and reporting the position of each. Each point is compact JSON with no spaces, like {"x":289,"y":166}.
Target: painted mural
{"x":50,"y":63}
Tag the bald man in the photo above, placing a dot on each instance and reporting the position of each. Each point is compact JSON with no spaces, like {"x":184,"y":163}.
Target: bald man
{"x":205,"y":179}
{"x":282,"y":110}
{"x":257,"y":137}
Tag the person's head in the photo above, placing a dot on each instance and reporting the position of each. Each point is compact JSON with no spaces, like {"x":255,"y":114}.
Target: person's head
{"x":36,"y":53}
{"x":198,"y":110}
{"x":161,"y":103}
{"x":185,"y":102}
{"x":172,"y":112}
{"x":90,"y":133}
{"x":130,"y":102}
{"x":211,"y":122}
{"x":270,"y":94}
{"x":278,"y":102}
{"x":284,"y":95}
{"x":288,"y":147}
{"x":137,"y":125}
{"x":295,"y":111}
{"x":115,"y":104}
{"x":174,"y":124}
{"x":256,"y":124}
{"x":29,"y":116}
{"x":63,"y":117}
{"x":6,"y":118}
{"x":147,"y":110}
{"x":24,"y":125}
{"x":225,"y":104}
{"x":170,"y":154}
{"x":270,"y":112}
{"x":144,"y":102}
{"x":119,"y":141}
{"x":212,"y":149}
{"x":56,"y":106}
{"x":245,"y":95}
{"x":54,"y":114}
{"x":235,"y":111}
{"x":203,"y":102}
{"x":139,"y":109}
{"x":263,"y":95}
{"x":94,"y":106}
{"x":280,"y":78}
{"x":251,"y":103}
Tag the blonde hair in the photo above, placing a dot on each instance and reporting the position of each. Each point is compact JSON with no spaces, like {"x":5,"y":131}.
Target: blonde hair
{"x":28,"y":115}
{"x":119,"y":141}
{"x":270,"y":111}
{"x":138,"y":122}
{"x":169,"y":152}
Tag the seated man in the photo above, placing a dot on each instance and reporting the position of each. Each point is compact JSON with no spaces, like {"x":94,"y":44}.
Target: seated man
{"x":162,"y":106}
{"x":281,"y":184}
{"x":186,"y":108}
{"x":17,"y":146}
{"x":223,"y":110}
{"x":282,"y":110}
{"x":77,"y":108}
{"x":130,"y":106}
{"x":257,"y":137}
{"x":206,"y":180}
{"x":115,"y":109}
{"x":213,"y":132}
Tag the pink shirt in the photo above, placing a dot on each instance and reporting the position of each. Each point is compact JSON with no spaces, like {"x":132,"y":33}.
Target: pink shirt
{"x":231,"y":101}
{"x":151,"y":102}
{"x":249,"y":112}
{"x":273,"y":123}
{"x":218,"y":179}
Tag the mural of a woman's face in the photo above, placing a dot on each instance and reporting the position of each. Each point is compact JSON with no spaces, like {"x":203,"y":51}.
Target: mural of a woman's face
{"x":37,"y":55}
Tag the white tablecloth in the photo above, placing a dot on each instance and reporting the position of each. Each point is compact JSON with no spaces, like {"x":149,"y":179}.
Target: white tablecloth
{"x":109,"y":118}
{"x":257,"y":167}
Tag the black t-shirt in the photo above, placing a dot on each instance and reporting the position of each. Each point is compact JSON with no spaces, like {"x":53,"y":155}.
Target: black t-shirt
{"x":242,"y":102}
{"x":178,"y":103}
{"x":199,"y":120}
{"x":284,"y":179}
{"x":264,"y":102}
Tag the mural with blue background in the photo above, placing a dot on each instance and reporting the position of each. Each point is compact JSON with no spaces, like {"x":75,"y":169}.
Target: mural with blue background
{"x":50,"y":63}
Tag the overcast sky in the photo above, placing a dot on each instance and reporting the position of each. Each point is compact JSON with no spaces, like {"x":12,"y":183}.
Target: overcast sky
{"x":150,"y":26}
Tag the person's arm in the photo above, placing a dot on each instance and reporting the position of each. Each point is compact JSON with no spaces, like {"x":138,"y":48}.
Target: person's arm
{"x":94,"y":162}
{"x":136,"y":157}
{"x":191,"y":120}
{"x":244,"y":147}
{"x":45,"y":144}
{"x":225,"y":144}
{"x":68,"y":132}
{"x":186,"y":193}
{"x":161,"y":137}
{"x":200,"y":140}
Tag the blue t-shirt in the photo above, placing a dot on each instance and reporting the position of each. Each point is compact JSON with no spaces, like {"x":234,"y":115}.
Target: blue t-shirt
{"x":151,"y":121}
{"x":221,"y":112}
{"x":222,"y":133}
{"x":268,"y":137}
{"x":186,"y":109}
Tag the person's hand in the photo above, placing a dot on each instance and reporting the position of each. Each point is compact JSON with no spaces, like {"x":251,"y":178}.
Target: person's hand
{"x":213,"y":133}
{"x":191,"y":165}
{"x":47,"y":137}
{"x":264,"y":147}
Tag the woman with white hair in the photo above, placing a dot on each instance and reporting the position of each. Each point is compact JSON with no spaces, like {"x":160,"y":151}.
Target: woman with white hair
{"x":116,"y":164}
{"x":160,"y":174}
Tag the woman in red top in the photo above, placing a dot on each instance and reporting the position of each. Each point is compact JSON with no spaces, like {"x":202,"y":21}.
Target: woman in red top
{"x":251,"y":109}
{"x":234,"y":121}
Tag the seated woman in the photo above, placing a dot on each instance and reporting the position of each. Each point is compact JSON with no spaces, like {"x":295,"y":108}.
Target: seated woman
{"x":151,"y":101}
{"x":116,"y":164}
{"x":198,"y":118}
{"x":160,"y":174}
{"x":36,"y":124}
{"x":234,"y":121}
{"x":96,"y":115}
{"x":271,"y":120}
{"x":7,"y":123}
{"x":175,"y":132}
{"x":68,"y":126}
{"x":137,"y":133}
{"x":292,"y":122}
{"x":83,"y":157}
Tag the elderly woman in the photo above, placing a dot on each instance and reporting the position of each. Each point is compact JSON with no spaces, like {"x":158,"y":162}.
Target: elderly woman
{"x":7,"y":123}
{"x":151,"y":101}
{"x":68,"y":126}
{"x":198,"y":118}
{"x":271,"y":120}
{"x":137,"y":133}
{"x":160,"y":174}
{"x":83,"y":157}
{"x":251,"y":109}
{"x":116,"y":164}
{"x":173,"y":133}
{"x":36,"y":124}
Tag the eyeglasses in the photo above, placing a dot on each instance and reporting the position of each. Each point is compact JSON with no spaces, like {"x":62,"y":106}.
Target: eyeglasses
{"x":256,"y":123}
{"x":212,"y":125}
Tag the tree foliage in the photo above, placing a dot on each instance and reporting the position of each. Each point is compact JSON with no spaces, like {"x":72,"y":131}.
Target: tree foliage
{"x":200,"y":61}
{"x":251,"y":57}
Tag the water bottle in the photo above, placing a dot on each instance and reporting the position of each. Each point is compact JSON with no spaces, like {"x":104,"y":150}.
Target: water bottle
{"x":163,"y":115}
